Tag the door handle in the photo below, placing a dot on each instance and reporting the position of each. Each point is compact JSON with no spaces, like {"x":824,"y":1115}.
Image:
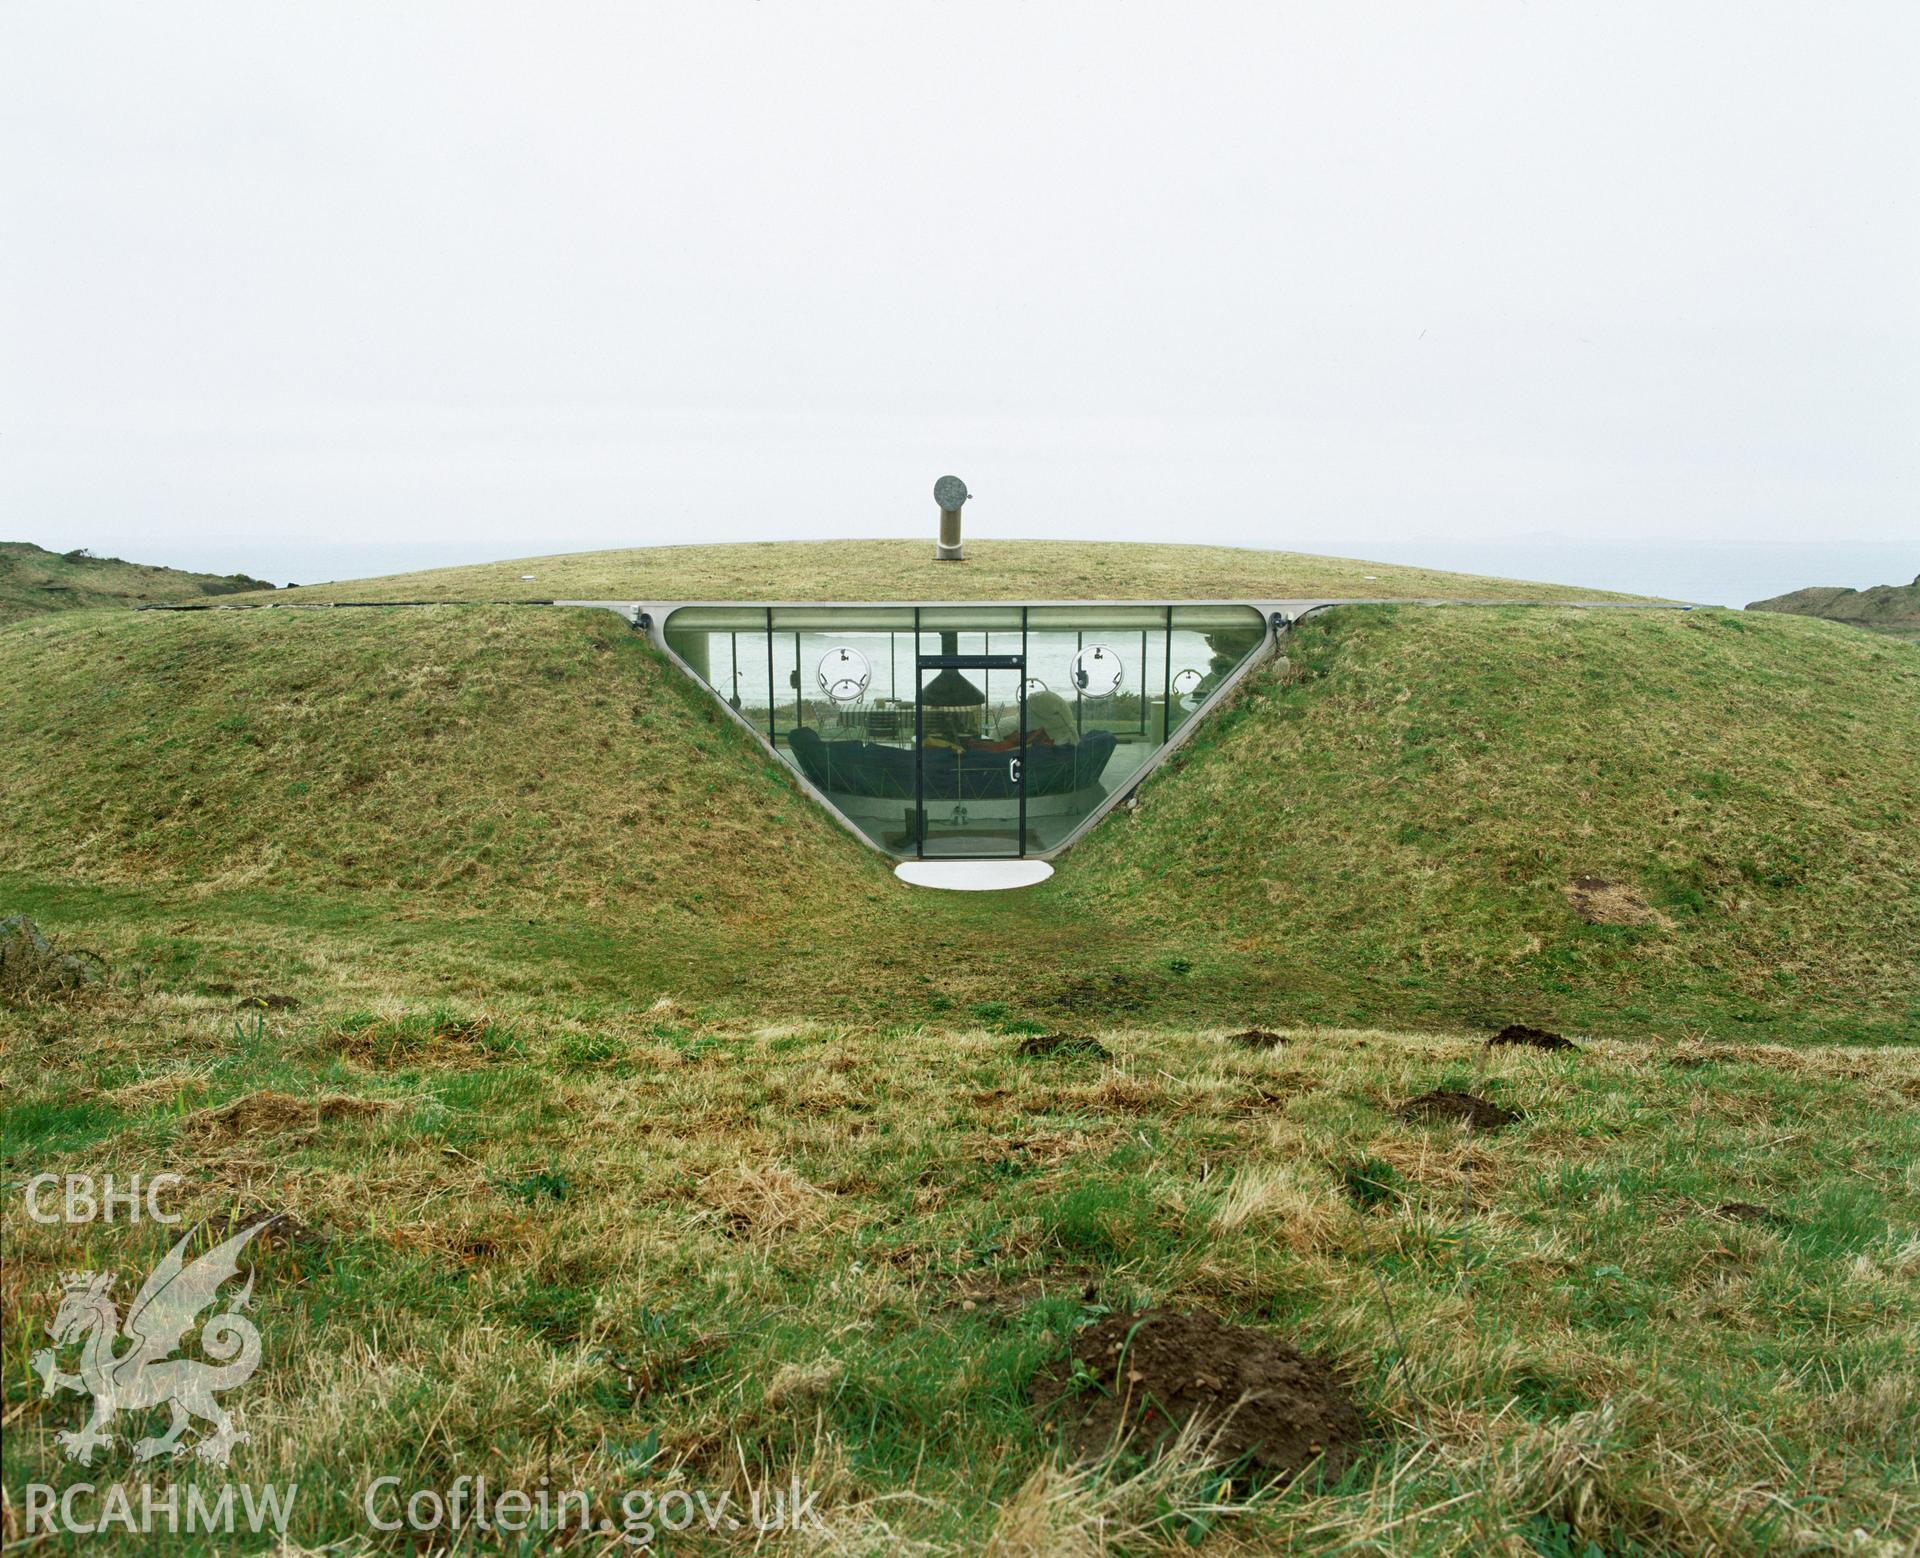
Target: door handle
{"x":1013,"y":770}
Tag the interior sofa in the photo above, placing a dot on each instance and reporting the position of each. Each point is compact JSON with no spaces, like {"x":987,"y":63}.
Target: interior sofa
{"x":976,"y":774}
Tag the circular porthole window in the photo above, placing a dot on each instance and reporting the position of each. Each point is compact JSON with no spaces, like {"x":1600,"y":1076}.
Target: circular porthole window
{"x":844,"y":675}
{"x":1186,"y":683}
{"x":1097,"y":672}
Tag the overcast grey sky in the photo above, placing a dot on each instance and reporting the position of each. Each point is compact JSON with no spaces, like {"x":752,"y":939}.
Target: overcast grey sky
{"x":426,"y":282}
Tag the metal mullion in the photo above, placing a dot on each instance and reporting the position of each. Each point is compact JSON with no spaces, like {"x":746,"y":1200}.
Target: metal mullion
{"x":919,"y":747}
{"x":1166,"y":685}
{"x":969,"y":662}
{"x":1020,"y":841}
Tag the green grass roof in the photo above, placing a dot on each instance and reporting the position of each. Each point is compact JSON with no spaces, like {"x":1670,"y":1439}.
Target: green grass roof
{"x":905,"y":570}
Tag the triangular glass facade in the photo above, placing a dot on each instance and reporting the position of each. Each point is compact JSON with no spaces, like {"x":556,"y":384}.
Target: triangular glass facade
{"x":967,"y":731}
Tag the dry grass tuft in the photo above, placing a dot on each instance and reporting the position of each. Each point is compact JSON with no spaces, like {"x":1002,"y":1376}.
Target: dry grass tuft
{"x":1296,"y":1204}
{"x":765,"y":1199}
{"x":1090,"y":1511}
{"x":800,"y":1384}
{"x":1599,"y":901}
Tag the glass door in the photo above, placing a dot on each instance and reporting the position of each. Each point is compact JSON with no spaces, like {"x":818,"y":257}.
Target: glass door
{"x":970,"y":756}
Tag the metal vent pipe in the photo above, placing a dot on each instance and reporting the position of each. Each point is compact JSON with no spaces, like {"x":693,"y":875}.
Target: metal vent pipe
{"x":949,"y":492}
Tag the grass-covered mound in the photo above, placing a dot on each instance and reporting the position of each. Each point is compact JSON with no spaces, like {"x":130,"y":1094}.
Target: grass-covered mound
{"x":1638,"y":820}
{"x":465,"y":792}
{"x":486,"y":757}
{"x":905,"y":570}
{"x":461,"y":800}
{"x":1621,"y":822}
{"x":33,"y":580}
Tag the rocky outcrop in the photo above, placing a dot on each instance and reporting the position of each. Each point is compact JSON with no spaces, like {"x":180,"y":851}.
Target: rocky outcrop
{"x":1886,"y":608}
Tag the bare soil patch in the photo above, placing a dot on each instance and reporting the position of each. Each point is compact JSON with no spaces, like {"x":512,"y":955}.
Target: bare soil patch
{"x":1142,"y":1378}
{"x":1471,"y":1109}
{"x":1518,"y":1033}
{"x":266,"y":1001}
{"x":1058,"y":1046}
{"x":1256,"y":1039}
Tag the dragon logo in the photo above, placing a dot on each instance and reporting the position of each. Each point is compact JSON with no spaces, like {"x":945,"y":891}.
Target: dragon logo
{"x":145,"y":1375}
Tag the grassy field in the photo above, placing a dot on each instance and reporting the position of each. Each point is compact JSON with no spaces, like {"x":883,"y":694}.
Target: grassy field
{"x":643,"y":1131}
{"x":905,"y":570}
{"x":33,"y":580}
{"x":638,"y":1249}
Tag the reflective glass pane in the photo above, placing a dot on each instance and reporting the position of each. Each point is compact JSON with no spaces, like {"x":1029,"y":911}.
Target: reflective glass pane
{"x":1094,"y":705}
{"x":1210,"y":643}
{"x":970,"y":769}
{"x":941,"y":757}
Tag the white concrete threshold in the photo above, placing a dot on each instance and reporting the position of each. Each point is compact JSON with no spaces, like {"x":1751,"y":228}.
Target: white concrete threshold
{"x":973,"y":876}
